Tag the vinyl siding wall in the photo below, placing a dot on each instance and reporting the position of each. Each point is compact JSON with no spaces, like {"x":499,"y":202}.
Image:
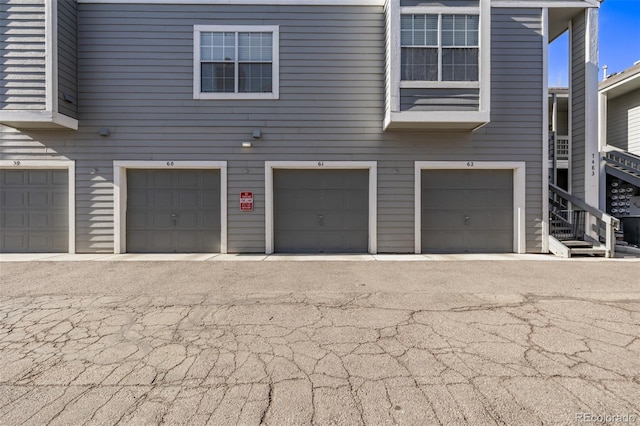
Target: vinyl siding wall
{"x":22,"y":33}
{"x":67,"y":58}
{"x":578,"y":112}
{"x":623,"y":122}
{"x":135,"y":69}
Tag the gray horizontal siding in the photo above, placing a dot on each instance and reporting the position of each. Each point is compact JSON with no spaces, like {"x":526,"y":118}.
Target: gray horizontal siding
{"x":623,"y":122}
{"x":439,"y":99}
{"x":135,"y":78}
{"x":67,"y":58}
{"x":22,"y":36}
{"x":578,"y":111}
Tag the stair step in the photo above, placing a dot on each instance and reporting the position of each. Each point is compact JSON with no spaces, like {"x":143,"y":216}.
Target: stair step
{"x":577,"y":244}
{"x":593,"y":251}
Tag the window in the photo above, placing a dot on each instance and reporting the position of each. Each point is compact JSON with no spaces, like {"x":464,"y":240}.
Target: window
{"x":439,"y":47}
{"x":236,"y":62}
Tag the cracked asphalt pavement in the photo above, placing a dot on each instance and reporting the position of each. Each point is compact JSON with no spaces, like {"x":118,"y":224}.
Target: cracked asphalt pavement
{"x":348,"y":343}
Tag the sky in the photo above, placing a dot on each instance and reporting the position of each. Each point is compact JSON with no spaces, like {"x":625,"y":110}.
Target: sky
{"x":619,"y":41}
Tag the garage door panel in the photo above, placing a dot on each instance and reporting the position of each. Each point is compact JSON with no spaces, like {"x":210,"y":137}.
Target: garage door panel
{"x":160,"y":178}
{"x":39,"y":177}
{"x":14,"y":240}
{"x":162,"y":198}
{"x":34,"y":205}
{"x":297,"y":199}
{"x":137,"y":179}
{"x":189,"y":179}
{"x":14,"y":220}
{"x":211,"y":202}
{"x":188,"y":220}
{"x":443,"y":180}
{"x":335,"y":199}
{"x":189,"y":198}
{"x":298,"y":241}
{"x":161,"y":220}
{"x":489,"y":241}
{"x":472,"y":211}
{"x":297,"y":219}
{"x":211,"y":220}
{"x":478,"y":198}
{"x":13,"y":198}
{"x":448,"y":197}
{"x":173,"y":211}
{"x":321,"y":210}
{"x":59,"y":220}
{"x":39,"y":220}
{"x":137,"y":198}
{"x":137,"y":220}
{"x":60,"y":200}
{"x":38,"y":199}
{"x":14,"y":177}
{"x":442,"y":241}
{"x":349,"y":241}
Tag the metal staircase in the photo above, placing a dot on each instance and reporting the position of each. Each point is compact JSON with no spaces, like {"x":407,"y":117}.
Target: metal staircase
{"x":576,"y":228}
{"x":622,"y":164}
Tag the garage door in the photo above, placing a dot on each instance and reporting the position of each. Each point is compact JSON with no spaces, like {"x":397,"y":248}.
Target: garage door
{"x":467,"y":211}
{"x":34,"y":208}
{"x":173,"y":211}
{"x":321,"y":211}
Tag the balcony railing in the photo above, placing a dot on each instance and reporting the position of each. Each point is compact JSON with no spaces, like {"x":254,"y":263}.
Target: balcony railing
{"x":558,"y":147}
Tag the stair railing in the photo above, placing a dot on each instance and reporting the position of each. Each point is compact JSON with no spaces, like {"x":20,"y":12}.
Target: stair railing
{"x":569,"y":216}
{"x":622,"y":159}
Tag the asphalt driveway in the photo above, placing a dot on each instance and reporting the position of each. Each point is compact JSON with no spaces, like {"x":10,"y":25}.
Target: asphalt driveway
{"x":412,"y":343}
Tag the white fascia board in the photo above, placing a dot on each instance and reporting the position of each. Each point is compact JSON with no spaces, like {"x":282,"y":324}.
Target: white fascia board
{"x":37,"y":119}
{"x":247,"y":2}
{"x":551,"y":4}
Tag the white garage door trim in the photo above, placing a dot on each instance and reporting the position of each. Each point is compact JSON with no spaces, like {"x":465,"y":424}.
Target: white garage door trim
{"x":70,"y":166}
{"x":519,"y":199}
{"x":120,"y":195}
{"x":372,"y":166}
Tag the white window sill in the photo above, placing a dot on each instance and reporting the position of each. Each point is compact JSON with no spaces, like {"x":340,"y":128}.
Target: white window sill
{"x":407,"y":84}
{"x":239,"y":96}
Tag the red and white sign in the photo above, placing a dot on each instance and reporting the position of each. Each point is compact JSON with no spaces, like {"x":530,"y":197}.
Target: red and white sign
{"x":246,"y":201}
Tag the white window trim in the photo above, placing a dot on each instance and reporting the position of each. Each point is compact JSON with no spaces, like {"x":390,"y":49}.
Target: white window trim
{"x":70,"y":166}
{"x":519,"y":194}
{"x":439,"y":12}
{"x":120,"y":195}
{"x":275,"y":72}
{"x":484,"y":55}
{"x":372,"y":166}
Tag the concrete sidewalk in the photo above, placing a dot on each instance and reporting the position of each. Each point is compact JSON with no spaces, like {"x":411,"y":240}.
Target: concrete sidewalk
{"x":200,"y":257}
{"x":333,"y":342}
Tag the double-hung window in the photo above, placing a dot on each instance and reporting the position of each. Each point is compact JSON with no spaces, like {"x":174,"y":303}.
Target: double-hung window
{"x":238,"y":62}
{"x":439,"y":47}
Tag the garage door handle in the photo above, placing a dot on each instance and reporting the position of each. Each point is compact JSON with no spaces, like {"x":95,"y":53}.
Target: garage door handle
{"x":174,"y":218}
{"x":466,"y":220}
{"x":320,"y":220}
